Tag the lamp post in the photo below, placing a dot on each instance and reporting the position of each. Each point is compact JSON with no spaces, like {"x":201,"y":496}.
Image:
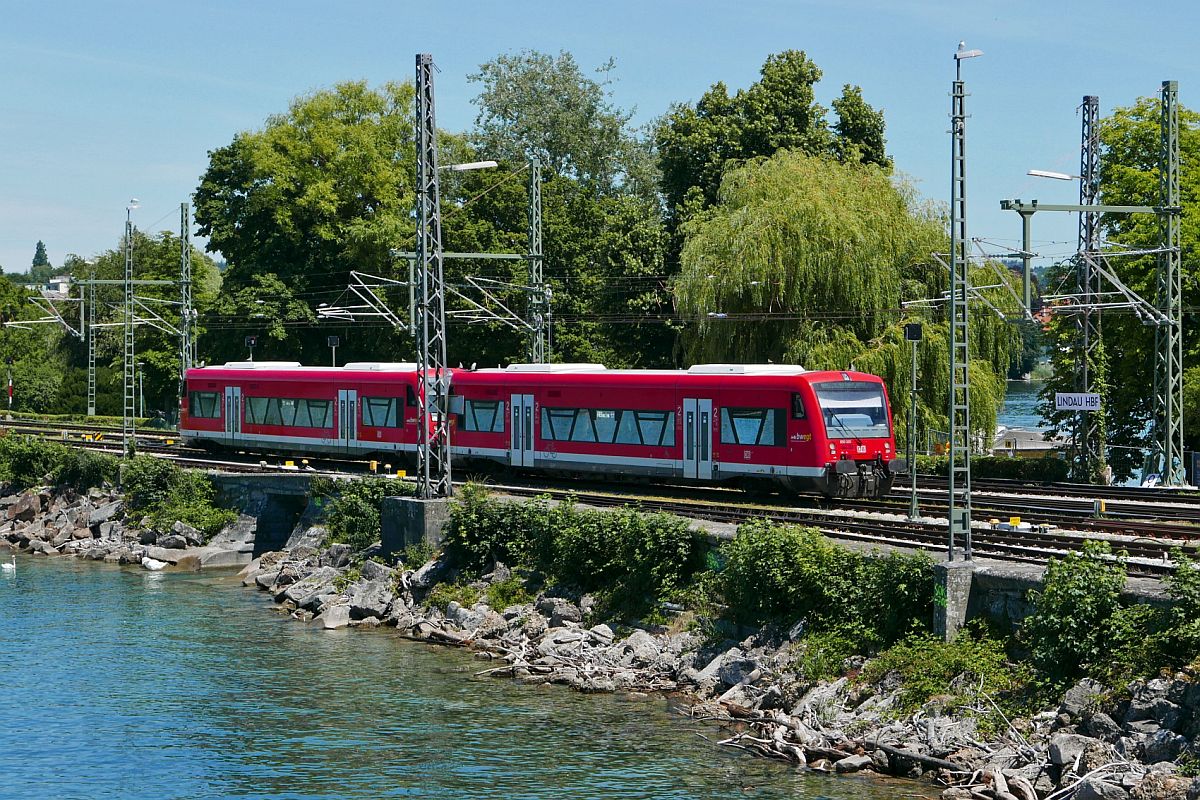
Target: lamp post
{"x":912,"y":332}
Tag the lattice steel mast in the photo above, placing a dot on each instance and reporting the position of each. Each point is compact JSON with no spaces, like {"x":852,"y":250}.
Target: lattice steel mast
{"x":1089,"y":427}
{"x":433,"y":430}
{"x":187,"y":317}
{"x":129,"y":413}
{"x":960,"y":389}
{"x":1168,"y":336}
{"x":539,"y":297}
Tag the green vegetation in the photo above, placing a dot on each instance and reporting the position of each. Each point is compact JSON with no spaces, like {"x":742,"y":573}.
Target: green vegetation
{"x":785,"y":573}
{"x":970,"y":674}
{"x":444,"y":593}
{"x":352,"y":507}
{"x":632,"y":560}
{"x":508,"y":592}
{"x":163,"y":494}
{"x":28,"y":461}
{"x":1036,"y":470}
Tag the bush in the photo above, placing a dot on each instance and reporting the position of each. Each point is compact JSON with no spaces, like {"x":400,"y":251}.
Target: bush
{"x":784,"y":573}
{"x":819,"y":656}
{"x":165,"y":494}
{"x":1070,"y":627}
{"x":1047,"y":469}
{"x":509,"y":592}
{"x":27,"y":461}
{"x":352,"y":508}
{"x":631,"y":558}
{"x":442,"y":594}
{"x":957,"y":673}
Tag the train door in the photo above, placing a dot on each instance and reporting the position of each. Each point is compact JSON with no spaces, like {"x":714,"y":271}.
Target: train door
{"x":697,"y":439}
{"x":521,"y":436}
{"x":233,"y":414}
{"x":347,"y":411}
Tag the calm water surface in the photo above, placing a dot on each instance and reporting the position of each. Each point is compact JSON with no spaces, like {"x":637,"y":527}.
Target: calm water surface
{"x":1020,"y":409}
{"x":117,"y":682}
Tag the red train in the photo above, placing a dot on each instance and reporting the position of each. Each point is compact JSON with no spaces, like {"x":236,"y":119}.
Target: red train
{"x":828,"y":431}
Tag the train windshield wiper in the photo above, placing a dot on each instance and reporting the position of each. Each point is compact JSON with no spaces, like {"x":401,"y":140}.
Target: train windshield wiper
{"x":838,"y":421}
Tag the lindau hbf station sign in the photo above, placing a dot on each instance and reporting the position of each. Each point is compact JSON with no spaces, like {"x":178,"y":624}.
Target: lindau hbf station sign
{"x":1076,"y":401}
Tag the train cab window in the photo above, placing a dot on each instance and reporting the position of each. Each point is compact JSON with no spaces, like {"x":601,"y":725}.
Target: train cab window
{"x":853,"y":409}
{"x":798,"y":406}
{"x":753,"y":426}
{"x":482,"y":416}
{"x":382,"y":412}
{"x":410,"y":396}
{"x":204,"y":405}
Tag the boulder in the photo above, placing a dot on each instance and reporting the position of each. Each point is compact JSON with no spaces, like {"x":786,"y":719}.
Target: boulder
{"x":1096,"y":789}
{"x":1164,"y":745}
{"x":266,"y":578}
{"x":303,"y":592}
{"x":25,"y":507}
{"x":1066,"y":747}
{"x":429,"y":574}
{"x":335,"y":617}
{"x":374,"y":571}
{"x":338,"y":555}
{"x":1102,"y":726}
{"x":500,"y":572}
{"x":172,"y":541}
{"x":559,"y":610}
{"x":82,"y":533}
{"x":190,"y":535}
{"x":105,"y":512}
{"x":370,"y":599}
{"x":601,"y":634}
{"x":164,"y":554}
{"x":852,"y":763}
{"x":642,"y":647}
{"x":1080,"y":696}
{"x":111,"y":529}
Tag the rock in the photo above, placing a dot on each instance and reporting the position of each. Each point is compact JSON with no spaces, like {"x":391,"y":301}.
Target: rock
{"x":104,"y":513}
{"x":25,"y":507}
{"x":147,"y":536}
{"x":1102,"y":726}
{"x":1144,"y":727}
{"x":429,"y":574}
{"x":1066,"y":747}
{"x":957,"y":793}
{"x":370,"y":599}
{"x":500,"y":572}
{"x":304,"y":592}
{"x":852,"y":763}
{"x":81,"y":533}
{"x":559,"y":610}
{"x":266,"y":578}
{"x":335,"y":617}
{"x":642,"y":647}
{"x":152,"y":564}
{"x":189,"y":534}
{"x":1160,"y":786}
{"x":164,"y":554}
{"x":172,"y":541}
{"x":602,"y":634}
{"x":1080,"y":696}
{"x":374,"y":571}
{"x":112,"y":530}
{"x":338,"y":555}
{"x":738,"y":670}
{"x":1164,"y":745}
{"x":1095,"y":789}
{"x":1193,"y":792}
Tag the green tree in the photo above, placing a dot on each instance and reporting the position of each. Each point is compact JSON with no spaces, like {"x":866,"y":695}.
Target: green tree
{"x":807,"y":261}
{"x":41,"y":269}
{"x":696,"y":144}
{"x":537,"y":105}
{"x":1129,"y":169}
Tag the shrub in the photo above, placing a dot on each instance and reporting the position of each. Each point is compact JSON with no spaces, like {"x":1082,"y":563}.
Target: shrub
{"x":27,"y":461}
{"x":165,"y":494}
{"x":1070,"y":627}
{"x":352,"y":508}
{"x":956,"y":673}
{"x":442,"y":594}
{"x":783,"y":573}
{"x":85,"y":469}
{"x":631,"y":558}
{"x":509,"y":592}
{"x":1047,"y":469}
{"x":819,"y":656}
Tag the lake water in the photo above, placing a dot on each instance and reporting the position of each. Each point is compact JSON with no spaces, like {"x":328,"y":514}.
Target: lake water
{"x":117,"y":682}
{"x":1020,"y":409}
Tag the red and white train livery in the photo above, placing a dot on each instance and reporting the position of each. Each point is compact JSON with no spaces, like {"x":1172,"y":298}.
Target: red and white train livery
{"x":829,"y":431}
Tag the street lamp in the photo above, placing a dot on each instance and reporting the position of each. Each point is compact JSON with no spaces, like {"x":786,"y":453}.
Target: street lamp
{"x":470,"y":165}
{"x":333,"y":342}
{"x":912,"y":332}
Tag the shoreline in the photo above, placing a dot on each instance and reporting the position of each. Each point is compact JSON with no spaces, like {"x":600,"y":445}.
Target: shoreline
{"x":1092,"y":745}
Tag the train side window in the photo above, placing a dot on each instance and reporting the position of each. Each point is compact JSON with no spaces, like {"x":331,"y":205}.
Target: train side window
{"x":557,"y":423}
{"x":753,"y":426}
{"x":609,"y":426}
{"x":204,"y":405}
{"x":381,"y":412}
{"x":483,"y":416}
{"x":314,"y":413}
{"x":798,"y":406}
{"x":410,"y":396}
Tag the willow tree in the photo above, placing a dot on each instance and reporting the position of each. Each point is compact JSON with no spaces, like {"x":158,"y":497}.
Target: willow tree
{"x":805,"y":260}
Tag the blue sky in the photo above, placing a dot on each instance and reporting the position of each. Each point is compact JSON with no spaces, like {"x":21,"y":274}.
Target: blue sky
{"x":101,"y":102}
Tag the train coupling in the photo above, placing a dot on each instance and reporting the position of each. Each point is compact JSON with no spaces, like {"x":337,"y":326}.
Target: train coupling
{"x":866,"y":478}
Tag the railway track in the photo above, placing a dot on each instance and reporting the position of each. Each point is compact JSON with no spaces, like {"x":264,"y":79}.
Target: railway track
{"x":1147,"y":531}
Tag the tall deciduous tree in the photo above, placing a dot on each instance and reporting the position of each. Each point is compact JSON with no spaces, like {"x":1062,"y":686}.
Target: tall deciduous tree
{"x":1129,"y":175}
{"x":537,"y":105}
{"x":806,"y":261}
{"x":697,"y":143}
